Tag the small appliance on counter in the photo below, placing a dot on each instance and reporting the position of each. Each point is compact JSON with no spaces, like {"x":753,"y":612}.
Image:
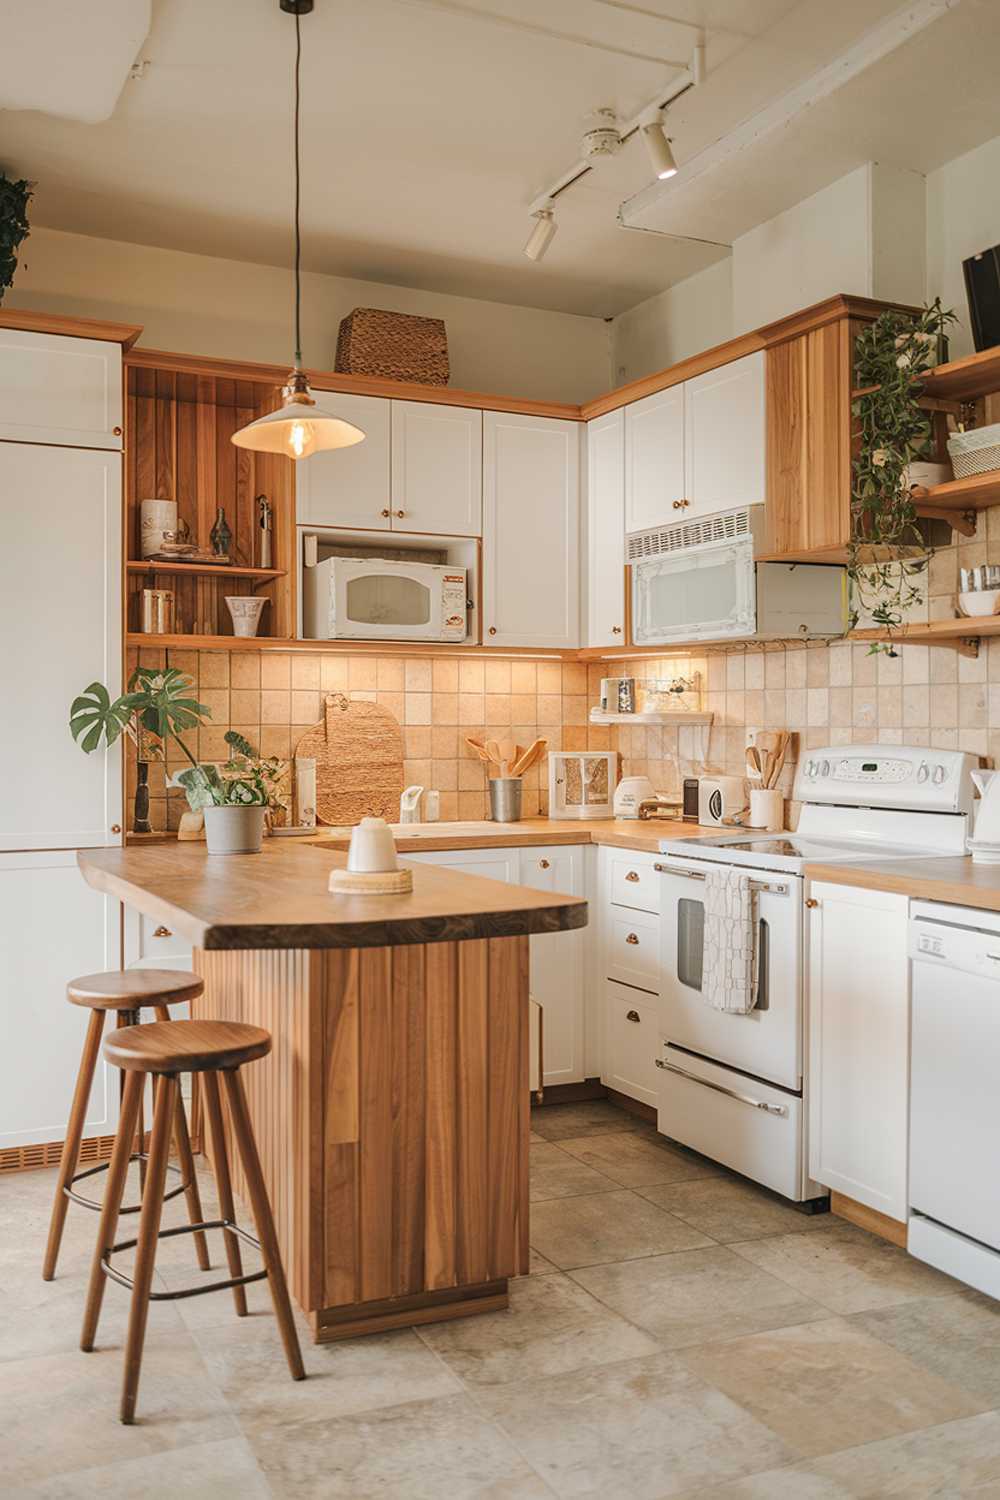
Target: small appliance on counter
{"x":580,"y":783}
{"x":409,"y":804}
{"x":721,"y":799}
{"x":630,"y":793}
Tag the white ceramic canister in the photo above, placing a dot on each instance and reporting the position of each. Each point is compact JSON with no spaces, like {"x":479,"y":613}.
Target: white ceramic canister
{"x":156,"y":517}
{"x":767,"y":808}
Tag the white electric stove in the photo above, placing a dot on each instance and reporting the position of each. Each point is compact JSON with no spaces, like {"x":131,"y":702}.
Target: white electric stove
{"x":733,"y":1086}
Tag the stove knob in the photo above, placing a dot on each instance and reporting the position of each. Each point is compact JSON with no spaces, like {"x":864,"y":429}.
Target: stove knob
{"x":824,"y":769}
{"x":810,"y":768}
{"x":939,"y":775}
{"x":922,"y":771}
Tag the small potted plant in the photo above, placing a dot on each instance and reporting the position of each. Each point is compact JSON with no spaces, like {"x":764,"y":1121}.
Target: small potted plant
{"x":158,"y":702}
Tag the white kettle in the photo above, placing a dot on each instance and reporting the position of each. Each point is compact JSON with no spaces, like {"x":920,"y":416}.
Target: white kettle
{"x":984,"y":846}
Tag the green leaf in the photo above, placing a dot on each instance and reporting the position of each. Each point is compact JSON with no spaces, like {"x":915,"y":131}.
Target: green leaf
{"x":94,"y":717}
{"x":234,"y":738}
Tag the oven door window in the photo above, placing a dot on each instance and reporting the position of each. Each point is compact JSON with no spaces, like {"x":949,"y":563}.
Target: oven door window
{"x":691,"y":950}
{"x":388,"y":599}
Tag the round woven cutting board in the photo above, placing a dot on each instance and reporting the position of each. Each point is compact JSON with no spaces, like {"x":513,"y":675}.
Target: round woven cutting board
{"x":358,"y":749}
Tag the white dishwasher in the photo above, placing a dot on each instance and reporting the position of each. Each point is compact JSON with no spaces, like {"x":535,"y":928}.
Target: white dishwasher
{"x":955,"y":1092}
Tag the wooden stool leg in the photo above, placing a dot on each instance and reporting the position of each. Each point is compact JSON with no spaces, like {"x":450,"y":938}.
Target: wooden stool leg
{"x":167,"y":1093}
{"x":243,"y":1132}
{"x":217,"y":1135}
{"x":185,"y":1158}
{"x":71,"y":1145}
{"x":113,"y":1189}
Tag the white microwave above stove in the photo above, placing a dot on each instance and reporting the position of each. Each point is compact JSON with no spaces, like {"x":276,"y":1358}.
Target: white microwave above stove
{"x":698,"y":580}
{"x":375,"y":598}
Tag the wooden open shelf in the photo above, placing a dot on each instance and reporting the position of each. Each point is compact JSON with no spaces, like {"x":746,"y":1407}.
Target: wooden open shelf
{"x":965,"y":379}
{"x":342,"y":648}
{"x":213,"y":570}
{"x":974,"y":493}
{"x":960,"y":633}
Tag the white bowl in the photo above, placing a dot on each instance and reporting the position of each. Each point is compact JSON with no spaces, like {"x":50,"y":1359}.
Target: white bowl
{"x":979,"y":602}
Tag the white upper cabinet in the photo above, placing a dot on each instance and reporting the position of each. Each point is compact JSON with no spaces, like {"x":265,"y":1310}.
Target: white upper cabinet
{"x":60,"y":583}
{"x":724,"y":437}
{"x":349,"y":486}
{"x":654,"y":460}
{"x":531,"y":495}
{"x":437,"y":468}
{"x":60,"y":390}
{"x":606,"y":529}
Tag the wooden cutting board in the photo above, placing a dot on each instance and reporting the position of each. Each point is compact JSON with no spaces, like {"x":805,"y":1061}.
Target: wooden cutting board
{"x":358,"y":749}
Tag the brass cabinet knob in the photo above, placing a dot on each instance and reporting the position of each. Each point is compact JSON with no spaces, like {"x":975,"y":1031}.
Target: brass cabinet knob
{"x":681,"y":504}
{"x":543,"y":864}
{"x":633,"y":938}
{"x":162,"y":932}
{"x":811,"y":902}
{"x":401,"y":514}
{"x":632,"y":1015}
{"x":386,"y":511}
{"x":116,"y":828}
{"x":616,"y":630}
{"x":633,"y":876}
{"x":493,"y":630}
{"x":117,"y":431}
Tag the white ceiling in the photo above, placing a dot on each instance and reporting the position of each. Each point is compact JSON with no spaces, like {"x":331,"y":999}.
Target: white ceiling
{"x":427,"y":132}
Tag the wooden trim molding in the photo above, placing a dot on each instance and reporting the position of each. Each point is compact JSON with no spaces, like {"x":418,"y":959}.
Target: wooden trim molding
{"x":24,"y":320}
{"x":868,"y":1218}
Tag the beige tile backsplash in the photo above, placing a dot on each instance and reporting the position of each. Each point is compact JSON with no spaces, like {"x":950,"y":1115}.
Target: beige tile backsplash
{"x":836,"y":694}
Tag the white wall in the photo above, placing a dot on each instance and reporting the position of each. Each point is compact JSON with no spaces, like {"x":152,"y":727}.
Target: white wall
{"x":199,"y":304}
{"x":963,"y":217}
{"x":685,"y":319}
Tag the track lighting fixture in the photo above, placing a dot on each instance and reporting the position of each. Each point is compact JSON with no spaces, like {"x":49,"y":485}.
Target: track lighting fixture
{"x":658,"y":148}
{"x":542,"y":233}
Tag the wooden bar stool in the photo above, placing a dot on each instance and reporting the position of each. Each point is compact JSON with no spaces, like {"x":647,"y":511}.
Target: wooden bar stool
{"x":165,"y":1050}
{"x":127,"y":992}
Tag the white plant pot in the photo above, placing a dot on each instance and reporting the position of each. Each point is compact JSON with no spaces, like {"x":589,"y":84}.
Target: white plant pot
{"x":246,"y":610}
{"x":234,"y":830}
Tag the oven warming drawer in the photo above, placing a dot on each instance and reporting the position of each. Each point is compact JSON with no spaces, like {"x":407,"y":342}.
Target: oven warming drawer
{"x":752,"y":1127}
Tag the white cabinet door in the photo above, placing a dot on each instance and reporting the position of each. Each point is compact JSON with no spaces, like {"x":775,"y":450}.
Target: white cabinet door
{"x":858,"y":1016}
{"x":53,"y":926}
{"x":606,"y":529}
{"x":60,"y":390}
{"x":348,"y":486}
{"x":494,"y":864}
{"x":724,"y":437}
{"x":531,"y":495}
{"x":60,"y":594}
{"x":654,"y":460}
{"x":633,"y":1041}
{"x":557,"y":965}
{"x":437,"y":468}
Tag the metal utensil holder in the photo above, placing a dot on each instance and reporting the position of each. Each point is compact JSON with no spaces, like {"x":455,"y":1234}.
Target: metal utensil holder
{"x":505,"y":798}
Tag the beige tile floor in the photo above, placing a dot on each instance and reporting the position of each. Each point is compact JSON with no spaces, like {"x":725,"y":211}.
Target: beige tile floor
{"x":680,"y":1334}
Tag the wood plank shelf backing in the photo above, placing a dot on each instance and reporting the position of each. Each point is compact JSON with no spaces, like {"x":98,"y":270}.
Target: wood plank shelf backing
{"x":179,"y":448}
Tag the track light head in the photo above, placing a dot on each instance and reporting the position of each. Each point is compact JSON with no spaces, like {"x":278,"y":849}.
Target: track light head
{"x":542,"y":233}
{"x":658,"y":148}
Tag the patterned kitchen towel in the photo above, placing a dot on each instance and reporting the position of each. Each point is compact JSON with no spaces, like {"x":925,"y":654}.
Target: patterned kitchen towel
{"x":729,"y":971}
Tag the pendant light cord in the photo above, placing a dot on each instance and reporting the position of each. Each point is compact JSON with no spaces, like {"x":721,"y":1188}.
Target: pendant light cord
{"x":298,"y":231}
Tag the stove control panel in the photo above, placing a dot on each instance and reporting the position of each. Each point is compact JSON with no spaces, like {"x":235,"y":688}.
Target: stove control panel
{"x":895,"y":776}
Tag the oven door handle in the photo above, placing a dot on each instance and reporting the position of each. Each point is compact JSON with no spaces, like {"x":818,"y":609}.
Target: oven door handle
{"x":770,"y":1109}
{"x":774,"y":887}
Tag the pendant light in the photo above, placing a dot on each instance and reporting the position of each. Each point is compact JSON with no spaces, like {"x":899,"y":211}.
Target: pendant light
{"x":300,"y":426}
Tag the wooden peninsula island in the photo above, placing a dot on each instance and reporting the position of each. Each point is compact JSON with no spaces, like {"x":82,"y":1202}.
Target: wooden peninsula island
{"x":392,"y":1115}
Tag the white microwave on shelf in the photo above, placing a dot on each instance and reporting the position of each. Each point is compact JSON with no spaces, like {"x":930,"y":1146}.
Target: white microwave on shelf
{"x":699,"y":580}
{"x":376,"y":598}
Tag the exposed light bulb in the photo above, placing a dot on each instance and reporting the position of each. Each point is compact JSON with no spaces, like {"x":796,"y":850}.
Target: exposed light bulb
{"x":658,"y":149}
{"x":542,"y":234}
{"x":297,"y":439}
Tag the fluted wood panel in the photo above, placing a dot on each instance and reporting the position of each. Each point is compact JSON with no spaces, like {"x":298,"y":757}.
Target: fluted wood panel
{"x":391,"y":1116}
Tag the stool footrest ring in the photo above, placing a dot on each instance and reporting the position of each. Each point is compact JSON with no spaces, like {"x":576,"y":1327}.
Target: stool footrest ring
{"x":187,"y":1291}
{"x":126,"y":1208}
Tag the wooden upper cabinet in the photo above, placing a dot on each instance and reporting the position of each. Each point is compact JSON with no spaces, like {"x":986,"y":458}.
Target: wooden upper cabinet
{"x":60,"y":390}
{"x":654,"y":460}
{"x":348,"y":486}
{"x":437,"y":468}
{"x":531,"y":516}
{"x":724,"y":438}
{"x":808,"y":381}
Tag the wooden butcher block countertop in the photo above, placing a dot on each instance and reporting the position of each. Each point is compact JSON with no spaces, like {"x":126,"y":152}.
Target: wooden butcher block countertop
{"x":954,"y":879}
{"x":279,"y":899}
{"x":622,"y":833}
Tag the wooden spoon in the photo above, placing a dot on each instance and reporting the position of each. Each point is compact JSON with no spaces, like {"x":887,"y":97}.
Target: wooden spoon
{"x":525,"y":761}
{"x":493,"y":751}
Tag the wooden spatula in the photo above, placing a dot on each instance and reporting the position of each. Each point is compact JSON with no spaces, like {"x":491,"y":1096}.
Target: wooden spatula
{"x":533,"y":753}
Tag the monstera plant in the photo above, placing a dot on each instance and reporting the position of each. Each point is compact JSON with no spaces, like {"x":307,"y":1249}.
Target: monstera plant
{"x":157,"y":702}
{"x":14,"y":198}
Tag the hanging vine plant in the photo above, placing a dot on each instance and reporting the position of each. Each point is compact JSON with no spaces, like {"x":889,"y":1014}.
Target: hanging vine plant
{"x":888,"y":555}
{"x":14,"y":199}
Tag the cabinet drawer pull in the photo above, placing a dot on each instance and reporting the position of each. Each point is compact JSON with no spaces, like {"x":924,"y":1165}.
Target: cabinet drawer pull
{"x":632,"y":1015}
{"x":616,"y":630}
{"x":633,"y":876}
{"x":811,"y":902}
{"x":543,"y":864}
{"x":162,"y":932}
{"x":633,"y":938}
{"x":386,"y":511}
{"x":493,"y":630}
{"x":117,"y":431}
{"x":116,"y":828}
{"x":401,"y":514}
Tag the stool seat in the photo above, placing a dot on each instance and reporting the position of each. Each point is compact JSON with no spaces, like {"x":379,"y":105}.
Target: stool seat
{"x":186,"y":1046}
{"x":129,"y":989}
